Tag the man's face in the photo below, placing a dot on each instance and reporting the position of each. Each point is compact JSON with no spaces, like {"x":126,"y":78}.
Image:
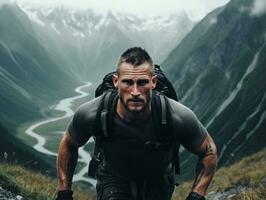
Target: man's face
{"x":134,"y":86}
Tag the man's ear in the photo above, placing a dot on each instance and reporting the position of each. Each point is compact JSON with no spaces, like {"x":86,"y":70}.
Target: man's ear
{"x":115,"y":80}
{"x":154,"y":81}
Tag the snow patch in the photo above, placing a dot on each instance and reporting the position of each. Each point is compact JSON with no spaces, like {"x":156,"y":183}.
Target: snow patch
{"x":78,"y":24}
{"x":47,"y":12}
{"x":117,"y":16}
{"x":33,"y":16}
{"x":64,"y":23}
{"x":97,"y":26}
{"x":78,"y":34}
{"x":55,"y":29}
{"x":135,"y":27}
{"x":72,"y":17}
{"x":258,"y":8}
{"x":130,"y":18}
{"x":90,"y":24}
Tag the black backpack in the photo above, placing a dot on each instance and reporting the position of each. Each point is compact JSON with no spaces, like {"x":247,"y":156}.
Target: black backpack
{"x":106,"y":110}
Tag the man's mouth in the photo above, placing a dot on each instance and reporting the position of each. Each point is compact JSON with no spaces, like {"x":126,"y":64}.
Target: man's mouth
{"x":135,"y":101}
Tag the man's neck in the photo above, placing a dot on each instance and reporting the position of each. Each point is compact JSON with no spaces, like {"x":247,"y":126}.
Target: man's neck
{"x":134,"y":117}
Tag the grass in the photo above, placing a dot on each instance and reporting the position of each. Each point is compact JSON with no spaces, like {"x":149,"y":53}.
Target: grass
{"x":249,"y":173}
{"x":253,"y":194}
{"x":33,"y":185}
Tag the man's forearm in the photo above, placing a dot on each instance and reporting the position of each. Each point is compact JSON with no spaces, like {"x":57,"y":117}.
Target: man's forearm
{"x":66,"y":163}
{"x":205,"y":169}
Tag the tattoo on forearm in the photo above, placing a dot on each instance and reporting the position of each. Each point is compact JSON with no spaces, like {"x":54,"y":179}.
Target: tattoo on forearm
{"x":204,"y":163}
{"x":209,"y":150}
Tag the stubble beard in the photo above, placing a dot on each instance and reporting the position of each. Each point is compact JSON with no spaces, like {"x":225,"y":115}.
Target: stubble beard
{"x":136,"y":113}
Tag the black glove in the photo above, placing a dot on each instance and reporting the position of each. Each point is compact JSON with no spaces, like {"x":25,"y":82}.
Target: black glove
{"x":195,"y":196}
{"x":64,"y":195}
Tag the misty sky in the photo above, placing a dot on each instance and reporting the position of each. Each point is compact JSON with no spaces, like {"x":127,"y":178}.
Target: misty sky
{"x":196,"y":8}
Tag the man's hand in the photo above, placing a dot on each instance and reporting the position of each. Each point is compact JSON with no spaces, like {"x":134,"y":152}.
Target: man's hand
{"x":195,"y":196}
{"x":64,"y":195}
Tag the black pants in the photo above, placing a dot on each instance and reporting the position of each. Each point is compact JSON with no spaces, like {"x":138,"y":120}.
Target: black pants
{"x":112,"y":187}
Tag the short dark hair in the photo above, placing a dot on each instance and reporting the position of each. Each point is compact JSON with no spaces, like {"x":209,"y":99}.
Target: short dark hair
{"x":135,"y":56}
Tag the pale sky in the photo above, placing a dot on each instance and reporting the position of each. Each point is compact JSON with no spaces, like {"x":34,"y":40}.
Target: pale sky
{"x":197,"y":8}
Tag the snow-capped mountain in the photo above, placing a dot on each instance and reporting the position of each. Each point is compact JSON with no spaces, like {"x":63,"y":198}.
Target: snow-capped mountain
{"x":94,"y":40}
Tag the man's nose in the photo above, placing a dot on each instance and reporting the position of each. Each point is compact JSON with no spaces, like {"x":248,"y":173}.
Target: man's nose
{"x":135,"y":90}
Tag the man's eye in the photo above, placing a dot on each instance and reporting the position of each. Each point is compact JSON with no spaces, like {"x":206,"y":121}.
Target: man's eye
{"x":128,"y":82}
{"x":142,"y":82}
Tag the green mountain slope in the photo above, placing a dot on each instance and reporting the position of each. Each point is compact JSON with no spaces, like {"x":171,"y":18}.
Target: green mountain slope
{"x":219,"y":71}
{"x":30,"y":77}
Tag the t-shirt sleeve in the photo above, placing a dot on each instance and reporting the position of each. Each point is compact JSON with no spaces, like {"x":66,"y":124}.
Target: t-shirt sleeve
{"x":193,"y":133}
{"x":78,"y":129}
{"x":81,"y":125}
{"x":189,"y":129}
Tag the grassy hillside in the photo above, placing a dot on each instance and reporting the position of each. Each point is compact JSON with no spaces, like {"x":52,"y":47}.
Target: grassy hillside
{"x":244,"y":180}
{"x":14,"y":151}
{"x":33,"y":185}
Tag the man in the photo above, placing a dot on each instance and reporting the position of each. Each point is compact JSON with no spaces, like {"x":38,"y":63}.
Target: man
{"x":127,"y":171}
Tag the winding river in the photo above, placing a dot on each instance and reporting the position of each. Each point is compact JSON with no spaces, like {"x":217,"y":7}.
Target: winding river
{"x":64,"y":105}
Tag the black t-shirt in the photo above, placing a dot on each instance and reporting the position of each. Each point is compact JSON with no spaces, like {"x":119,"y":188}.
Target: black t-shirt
{"x":122,"y":151}
{"x":125,"y":151}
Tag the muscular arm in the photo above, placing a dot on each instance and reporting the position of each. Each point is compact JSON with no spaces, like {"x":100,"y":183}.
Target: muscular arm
{"x":66,"y":162}
{"x":206,"y":165}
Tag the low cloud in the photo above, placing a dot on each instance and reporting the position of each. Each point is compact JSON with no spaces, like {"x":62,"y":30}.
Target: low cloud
{"x":137,"y":7}
{"x":213,"y":20}
{"x":2,"y":2}
{"x":258,"y":8}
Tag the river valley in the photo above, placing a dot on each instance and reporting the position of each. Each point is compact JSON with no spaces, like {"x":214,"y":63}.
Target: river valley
{"x":64,"y":105}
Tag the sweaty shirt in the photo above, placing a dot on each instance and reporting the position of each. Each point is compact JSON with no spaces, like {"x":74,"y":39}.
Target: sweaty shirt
{"x":124,"y":155}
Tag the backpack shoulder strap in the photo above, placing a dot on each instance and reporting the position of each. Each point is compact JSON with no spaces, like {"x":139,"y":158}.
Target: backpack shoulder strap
{"x":162,"y":117}
{"x":163,"y":121}
{"x":105,"y":113}
{"x":102,"y":128}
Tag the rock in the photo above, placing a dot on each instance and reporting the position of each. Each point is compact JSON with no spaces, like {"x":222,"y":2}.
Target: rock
{"x":7,"y":195}
{"x":19,"y":197}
